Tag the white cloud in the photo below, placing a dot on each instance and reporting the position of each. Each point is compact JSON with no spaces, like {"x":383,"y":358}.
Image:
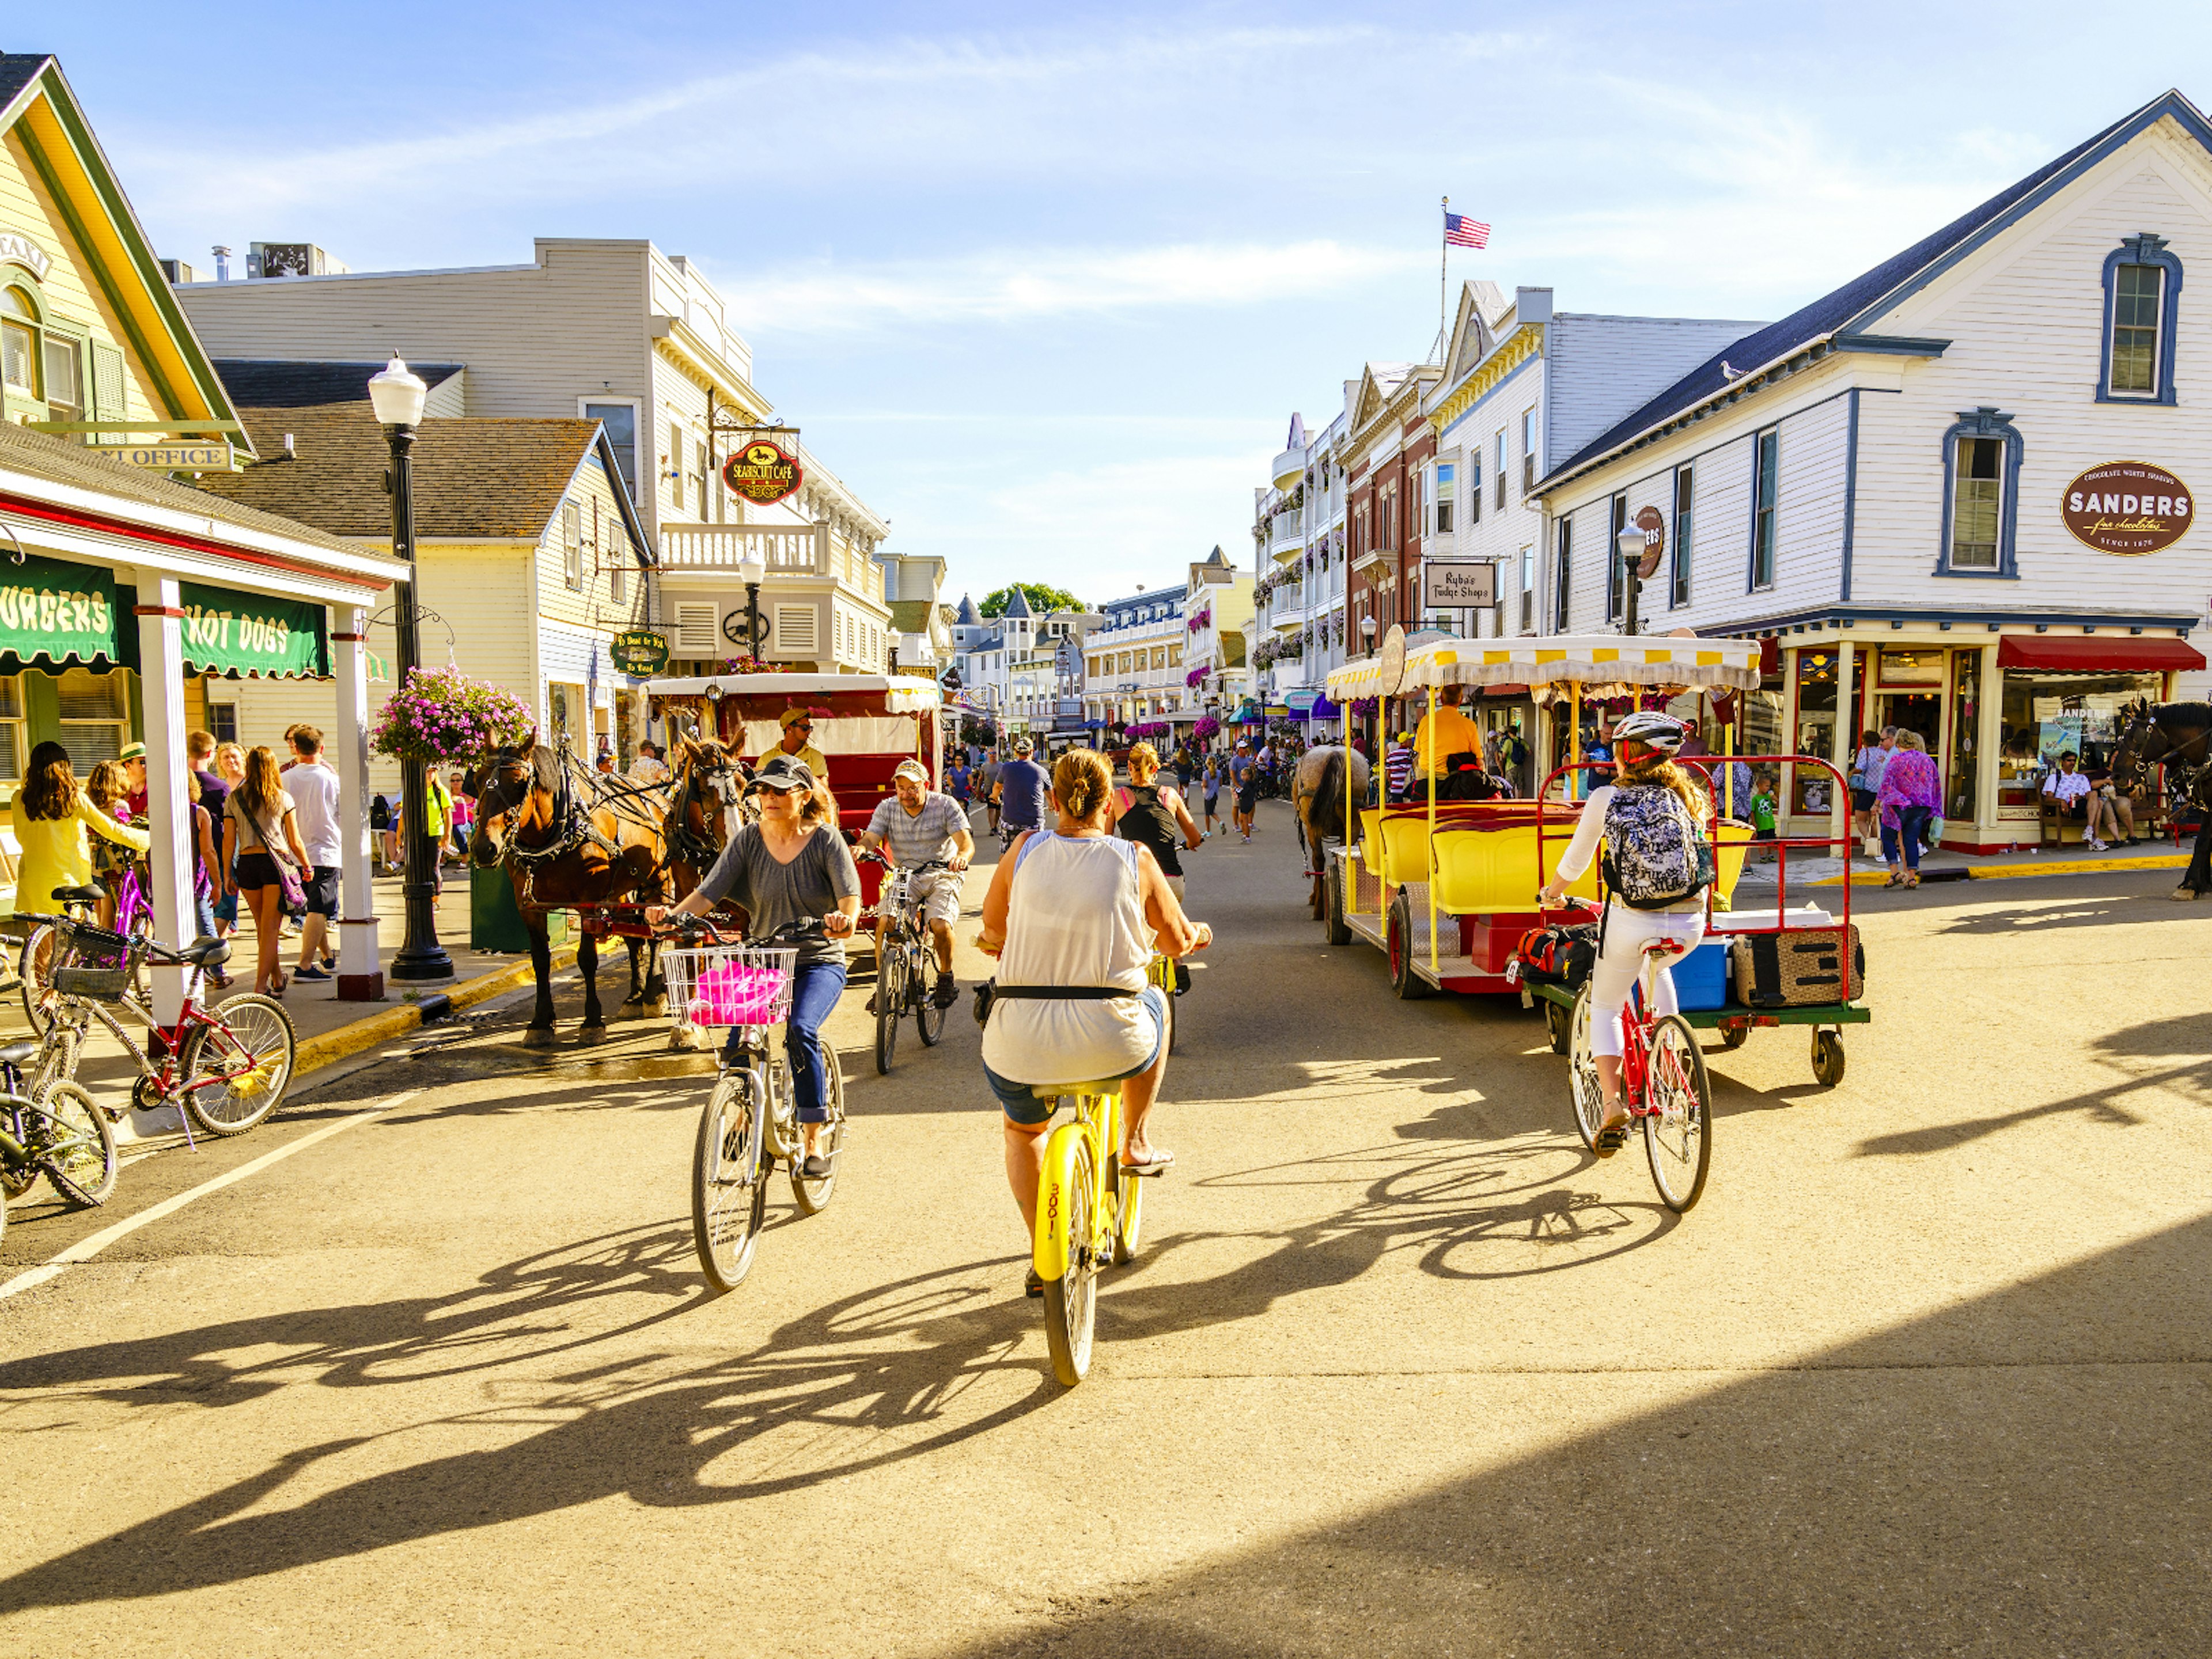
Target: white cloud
{"x":1011,"y":285}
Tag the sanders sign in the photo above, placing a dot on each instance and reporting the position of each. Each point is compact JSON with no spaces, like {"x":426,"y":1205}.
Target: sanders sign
{"x":2127,"y":508}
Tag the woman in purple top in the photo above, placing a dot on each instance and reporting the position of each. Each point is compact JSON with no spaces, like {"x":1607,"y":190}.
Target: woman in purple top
{"x":1909,"y":795}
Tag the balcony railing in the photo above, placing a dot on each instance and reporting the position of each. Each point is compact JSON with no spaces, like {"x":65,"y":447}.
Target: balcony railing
{"x":1289,"y":466}
{"x":785,"y":549}
{"x":1287,"y":530}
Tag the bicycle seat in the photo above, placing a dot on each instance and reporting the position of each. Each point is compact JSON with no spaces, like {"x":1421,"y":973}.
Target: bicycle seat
{"x":18,"y":1054}
{"x":206,"y":952}
{"x":78,"y":895}
{"x":1055,"y":1091}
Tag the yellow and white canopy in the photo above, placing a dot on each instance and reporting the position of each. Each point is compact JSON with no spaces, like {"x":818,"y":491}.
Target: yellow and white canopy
{"x":1592,"y":661}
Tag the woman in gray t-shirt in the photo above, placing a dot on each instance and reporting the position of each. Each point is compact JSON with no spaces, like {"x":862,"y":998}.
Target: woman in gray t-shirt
{"x":791,"y":866}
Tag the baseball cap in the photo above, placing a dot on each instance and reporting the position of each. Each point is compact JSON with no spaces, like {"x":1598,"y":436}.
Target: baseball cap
{"x":1023,"y":745}
{"x":783,"y":774}
{"x":792,"y":715}
{"x":132,"y":751}
{"x":912,"y":768}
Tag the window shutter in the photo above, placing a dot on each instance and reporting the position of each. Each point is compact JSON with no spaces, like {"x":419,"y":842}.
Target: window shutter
{"x":695,"y":631}
{"x":109,"y":400}
{"x":798,"y":629}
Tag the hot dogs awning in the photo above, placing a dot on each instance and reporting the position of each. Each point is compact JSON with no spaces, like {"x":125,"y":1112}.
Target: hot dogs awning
{"x":54,"y":614}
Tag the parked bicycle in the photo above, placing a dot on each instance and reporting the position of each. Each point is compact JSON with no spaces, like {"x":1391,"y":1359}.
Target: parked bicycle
{"x":56,"y":1131}
{"x":903,"y":965}
{"x":225,"y":1067}
{"x":1662,"y":1081}
{"x":750,"y":1122}
{"x":134,"y":918}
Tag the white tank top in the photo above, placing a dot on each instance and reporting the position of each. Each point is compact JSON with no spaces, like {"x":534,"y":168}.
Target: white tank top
{"x":1074,"y":917}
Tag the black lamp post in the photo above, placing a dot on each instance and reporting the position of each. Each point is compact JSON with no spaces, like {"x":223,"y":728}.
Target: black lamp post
{"x":397,"y":395}
{"x":1630,"y":545}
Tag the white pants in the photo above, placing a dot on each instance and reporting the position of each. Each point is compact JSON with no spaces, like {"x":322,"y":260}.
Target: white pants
{"x":1626,"y":932}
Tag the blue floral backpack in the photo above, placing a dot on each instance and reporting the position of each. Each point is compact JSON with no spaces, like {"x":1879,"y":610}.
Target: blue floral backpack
{"x":1656,"y":852}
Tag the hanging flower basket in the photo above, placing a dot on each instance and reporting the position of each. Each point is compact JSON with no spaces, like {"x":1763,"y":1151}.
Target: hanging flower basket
{"x":443,"y":716}
{"x":1207,"y":728}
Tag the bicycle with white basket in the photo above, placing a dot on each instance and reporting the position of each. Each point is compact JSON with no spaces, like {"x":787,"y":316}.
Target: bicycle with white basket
{"x":752,"y":1120}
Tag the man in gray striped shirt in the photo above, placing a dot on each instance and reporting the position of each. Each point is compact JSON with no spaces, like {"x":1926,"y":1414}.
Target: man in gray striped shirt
{"x":917,"y":825}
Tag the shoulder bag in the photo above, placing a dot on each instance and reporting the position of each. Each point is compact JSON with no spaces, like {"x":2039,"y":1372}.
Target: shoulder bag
{"x":291,"y":893}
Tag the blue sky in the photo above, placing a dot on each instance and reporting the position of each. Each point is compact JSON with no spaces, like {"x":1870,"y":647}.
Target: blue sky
{"x":1043,"y":284}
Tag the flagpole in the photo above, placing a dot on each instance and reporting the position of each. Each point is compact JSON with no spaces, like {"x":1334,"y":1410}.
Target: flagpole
{"x":1443,"y":285}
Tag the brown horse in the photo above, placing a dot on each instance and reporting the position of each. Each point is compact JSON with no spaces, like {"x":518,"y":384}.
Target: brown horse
{"x":2171,"y":734}
{"x":1318,"y":790}
{"x":570,"y":841}
{"x":709,"y":784}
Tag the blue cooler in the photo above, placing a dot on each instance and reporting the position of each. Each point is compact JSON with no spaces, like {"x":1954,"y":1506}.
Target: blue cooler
{"x":1701,"y":978}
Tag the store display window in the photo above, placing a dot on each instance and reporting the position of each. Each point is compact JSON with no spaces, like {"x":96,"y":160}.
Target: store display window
{"x":2045,"y":715}
{"x":1813,"y":790}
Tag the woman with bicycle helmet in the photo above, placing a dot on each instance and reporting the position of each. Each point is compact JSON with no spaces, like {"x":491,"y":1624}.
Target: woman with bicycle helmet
{"x":1657,"y":863}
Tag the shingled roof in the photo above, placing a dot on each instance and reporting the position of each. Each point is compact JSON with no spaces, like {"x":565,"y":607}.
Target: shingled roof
{"x":1861,"y":299}
{"x":56,"y":460}
{"x":275,"y":383}
{"x":17,"y":70}
{"x":496,"y":479}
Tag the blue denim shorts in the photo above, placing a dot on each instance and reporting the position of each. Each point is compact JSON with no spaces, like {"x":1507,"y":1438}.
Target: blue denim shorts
{"x":1022,"y":1106}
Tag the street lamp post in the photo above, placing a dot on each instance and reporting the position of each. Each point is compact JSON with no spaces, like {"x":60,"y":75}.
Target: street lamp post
{"x":752,"y":571}
{"x":1629,"y":546}
{"x":397,"y":395}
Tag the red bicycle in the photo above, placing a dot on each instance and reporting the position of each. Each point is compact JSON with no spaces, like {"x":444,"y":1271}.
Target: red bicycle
{"x":1662,"y":1082}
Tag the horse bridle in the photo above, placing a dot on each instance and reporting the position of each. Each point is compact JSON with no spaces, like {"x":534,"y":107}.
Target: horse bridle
{"x":693,"y":848}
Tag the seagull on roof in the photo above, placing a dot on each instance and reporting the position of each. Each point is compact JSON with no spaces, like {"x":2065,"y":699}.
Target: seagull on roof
{"x":1730,"y":373}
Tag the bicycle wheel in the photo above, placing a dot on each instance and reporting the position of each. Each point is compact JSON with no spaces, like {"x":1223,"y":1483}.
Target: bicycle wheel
{"x":235,"y":1072}
{"x":729,"y":1181}
{"x":1678,"y":1131}
{"x":80,"y":1157}
{"x":812,"y":1195}
{"x":36,"y":967}
{"x":928,"y":1018}
{"x":18,"y":1176}
{"x":890,"y":1004}
{"x":141,"y":934}
{"x":1587,"y":1093}
{"x":1071,"y":1302}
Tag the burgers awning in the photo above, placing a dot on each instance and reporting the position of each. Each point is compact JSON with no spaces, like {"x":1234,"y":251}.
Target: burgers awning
{"x":2097,"y":653}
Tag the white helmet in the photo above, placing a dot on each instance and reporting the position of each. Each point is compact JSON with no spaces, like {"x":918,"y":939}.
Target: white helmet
{"x":1653,"y":730}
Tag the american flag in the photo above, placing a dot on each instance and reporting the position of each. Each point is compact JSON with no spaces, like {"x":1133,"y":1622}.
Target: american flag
{"x":1462,"y":231}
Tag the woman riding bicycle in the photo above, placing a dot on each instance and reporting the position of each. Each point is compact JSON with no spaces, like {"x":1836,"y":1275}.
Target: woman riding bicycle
{"x":1078,"y":912}
{"x":1650,"y":817}
{"x":791,"y":867}
{"x":1153,"y":815}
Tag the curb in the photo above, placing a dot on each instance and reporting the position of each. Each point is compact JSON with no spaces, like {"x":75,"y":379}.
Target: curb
{"x":331,"y":1047}
{"x":2000,"y":872}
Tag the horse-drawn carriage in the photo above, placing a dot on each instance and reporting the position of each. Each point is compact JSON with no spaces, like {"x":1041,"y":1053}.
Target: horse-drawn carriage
{"x":1447,"y":889}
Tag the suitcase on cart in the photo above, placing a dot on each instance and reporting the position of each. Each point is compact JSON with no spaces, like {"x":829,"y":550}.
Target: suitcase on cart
{"x":1799,"y":967}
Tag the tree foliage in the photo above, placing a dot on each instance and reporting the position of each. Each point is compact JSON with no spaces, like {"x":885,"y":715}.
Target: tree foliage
{"x":1043,"y":598}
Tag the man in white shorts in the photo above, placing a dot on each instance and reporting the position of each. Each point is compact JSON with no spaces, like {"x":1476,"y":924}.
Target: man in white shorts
{"x":916,"y":825}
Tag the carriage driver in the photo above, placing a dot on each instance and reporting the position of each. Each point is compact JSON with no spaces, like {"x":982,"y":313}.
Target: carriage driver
{"x":916,"y":825}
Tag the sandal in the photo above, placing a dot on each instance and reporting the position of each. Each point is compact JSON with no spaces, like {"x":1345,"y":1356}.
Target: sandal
{"x":1912,"y":879}
{"x":1612,"y":1136}
{"x":1156,"y":1165}
{"x":1895,"y":879}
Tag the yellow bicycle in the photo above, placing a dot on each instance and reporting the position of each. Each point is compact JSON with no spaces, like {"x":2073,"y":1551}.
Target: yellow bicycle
{"x":1090,"y":1212}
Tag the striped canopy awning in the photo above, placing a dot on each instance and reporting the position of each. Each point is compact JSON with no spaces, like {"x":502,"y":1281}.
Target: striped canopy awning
{"x":1588,"y":659}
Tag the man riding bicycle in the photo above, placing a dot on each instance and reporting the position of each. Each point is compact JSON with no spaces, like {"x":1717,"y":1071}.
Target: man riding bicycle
{"x":1020,"y":793}
{"x":1657,"y":863}
{"x":918,"y":825}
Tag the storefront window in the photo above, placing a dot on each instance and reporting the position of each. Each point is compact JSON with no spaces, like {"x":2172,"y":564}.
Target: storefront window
{"x":2043,"y":715}
{"x":1961,"y":789}
{"x":13,"y":746}
{"x":1813,"y":789}
{"x":95,"y":712}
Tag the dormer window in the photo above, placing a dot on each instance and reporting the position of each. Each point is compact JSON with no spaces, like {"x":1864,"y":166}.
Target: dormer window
{"x":2142,"y":286}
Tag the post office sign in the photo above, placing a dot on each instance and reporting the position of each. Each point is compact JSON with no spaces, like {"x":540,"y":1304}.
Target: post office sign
{"x":2128,"y":508}
{"x":187,"y":455}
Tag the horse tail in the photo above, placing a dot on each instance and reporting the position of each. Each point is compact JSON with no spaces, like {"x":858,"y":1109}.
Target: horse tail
{"x":1326,"y":815}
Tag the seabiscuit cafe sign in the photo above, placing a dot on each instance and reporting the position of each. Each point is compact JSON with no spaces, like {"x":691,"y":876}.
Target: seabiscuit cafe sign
{"x":2127,"y":508}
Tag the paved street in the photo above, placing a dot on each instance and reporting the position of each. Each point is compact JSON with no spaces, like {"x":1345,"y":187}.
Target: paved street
{"x":1400,"y":1370}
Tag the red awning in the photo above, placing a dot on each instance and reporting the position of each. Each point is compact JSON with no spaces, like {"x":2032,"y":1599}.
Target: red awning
{"x":2097,"y":653}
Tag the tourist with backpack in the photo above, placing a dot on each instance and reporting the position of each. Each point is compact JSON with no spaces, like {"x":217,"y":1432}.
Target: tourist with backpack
{"x":1650,"y":819}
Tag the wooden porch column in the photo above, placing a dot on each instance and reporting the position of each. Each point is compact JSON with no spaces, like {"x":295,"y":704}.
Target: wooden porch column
{"x":168,"y":804}
{"x":1845,"y":744}
{"x":360,"y":970}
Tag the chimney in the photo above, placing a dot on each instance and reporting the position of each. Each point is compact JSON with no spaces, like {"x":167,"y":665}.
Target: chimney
{"x":221,"y":263}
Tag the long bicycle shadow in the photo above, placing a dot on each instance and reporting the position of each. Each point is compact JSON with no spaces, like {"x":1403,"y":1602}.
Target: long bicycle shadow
{"x":898,"y":1372}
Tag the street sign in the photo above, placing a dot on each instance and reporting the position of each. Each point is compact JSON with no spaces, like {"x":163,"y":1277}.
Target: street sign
{"x":733,"y":628}
{"x":1390,"y":664}
{"x":640,"y":652}
{"x":1458,"y":584}
{"x":191,"y":455}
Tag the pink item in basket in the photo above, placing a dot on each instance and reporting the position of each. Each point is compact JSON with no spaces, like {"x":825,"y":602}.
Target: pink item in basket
{"x":735,"y":995}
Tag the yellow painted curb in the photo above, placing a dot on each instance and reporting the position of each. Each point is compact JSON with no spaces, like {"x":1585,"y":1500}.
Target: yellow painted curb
{"x":382,"y":1026}
{"x":2054,"y":867}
